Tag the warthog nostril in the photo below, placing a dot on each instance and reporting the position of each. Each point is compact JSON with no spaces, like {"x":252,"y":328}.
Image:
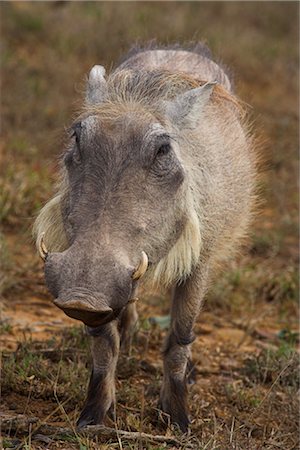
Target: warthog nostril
{"x":82,"y":302}
{"x":83,"y":310}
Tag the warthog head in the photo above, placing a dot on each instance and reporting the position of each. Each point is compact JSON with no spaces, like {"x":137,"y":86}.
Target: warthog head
{"x":125,"y":202}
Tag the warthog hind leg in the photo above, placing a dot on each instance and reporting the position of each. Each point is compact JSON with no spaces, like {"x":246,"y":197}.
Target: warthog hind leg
{"x":128,"y":324}
{"x":101,"y":392}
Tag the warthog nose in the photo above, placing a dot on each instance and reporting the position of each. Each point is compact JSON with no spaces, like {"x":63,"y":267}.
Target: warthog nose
{"x":92,"y":311}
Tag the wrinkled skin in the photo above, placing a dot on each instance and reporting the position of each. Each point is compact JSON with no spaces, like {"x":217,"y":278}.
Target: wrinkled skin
{"x":124,"y":184}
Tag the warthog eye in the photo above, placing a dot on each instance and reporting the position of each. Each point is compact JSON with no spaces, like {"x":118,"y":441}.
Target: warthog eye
{"x":165,"y":166}
{"x":163,"y":150}
{"x":75,"y":155}
{"x":76,"y":132}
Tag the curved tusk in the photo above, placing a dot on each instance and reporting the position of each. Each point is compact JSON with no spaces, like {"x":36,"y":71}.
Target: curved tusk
{"x":42,"y":247}
{"x":141,"y":268}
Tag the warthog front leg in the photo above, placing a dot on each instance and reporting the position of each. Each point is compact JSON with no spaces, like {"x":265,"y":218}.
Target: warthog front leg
{"x":187,"y":299}
{"x":101,"y":392}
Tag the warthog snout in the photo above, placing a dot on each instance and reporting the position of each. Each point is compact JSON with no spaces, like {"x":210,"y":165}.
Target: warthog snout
{"x":86,"y":306}
{"x":92,"y":290}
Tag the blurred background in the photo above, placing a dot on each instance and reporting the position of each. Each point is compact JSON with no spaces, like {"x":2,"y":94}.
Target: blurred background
{"x":251,"y":314}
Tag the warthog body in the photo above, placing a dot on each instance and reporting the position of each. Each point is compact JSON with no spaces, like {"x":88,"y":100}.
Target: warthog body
{"x":159,"y":162}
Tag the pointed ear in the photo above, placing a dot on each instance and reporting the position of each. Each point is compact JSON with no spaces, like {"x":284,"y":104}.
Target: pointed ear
{"x":186,"y":109}
{"x":96,"y":91}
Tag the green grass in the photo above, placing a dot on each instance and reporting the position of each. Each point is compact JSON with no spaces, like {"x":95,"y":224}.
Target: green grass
{"x":241,"y":398}
{"x":32,"y":366}
{"x":270,"y":366}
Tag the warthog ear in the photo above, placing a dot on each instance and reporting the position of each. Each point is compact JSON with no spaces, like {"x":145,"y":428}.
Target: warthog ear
{"x":186,"y":109}
{"x":96,"y":91}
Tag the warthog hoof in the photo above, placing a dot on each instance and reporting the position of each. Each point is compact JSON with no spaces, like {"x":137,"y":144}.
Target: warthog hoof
{"x":89,"y":417}
{"x":86,"y":418}
{"x":100,"y":402}
{"x":173,"y":403}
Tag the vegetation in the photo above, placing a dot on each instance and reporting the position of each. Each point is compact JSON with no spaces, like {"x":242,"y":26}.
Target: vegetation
{"x":247,"y":351}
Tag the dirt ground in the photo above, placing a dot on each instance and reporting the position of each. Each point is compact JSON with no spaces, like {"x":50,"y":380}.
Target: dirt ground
{"x":246,"y":353}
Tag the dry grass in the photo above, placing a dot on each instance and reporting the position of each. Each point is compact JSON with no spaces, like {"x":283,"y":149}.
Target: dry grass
{"x":237,"y":404}
{"x":246,"y":353}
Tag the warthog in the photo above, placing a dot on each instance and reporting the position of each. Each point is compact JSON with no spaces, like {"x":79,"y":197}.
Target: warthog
{"x":157,"y":186}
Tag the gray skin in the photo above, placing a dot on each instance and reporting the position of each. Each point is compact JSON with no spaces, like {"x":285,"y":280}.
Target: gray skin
{"x":135,"y":171}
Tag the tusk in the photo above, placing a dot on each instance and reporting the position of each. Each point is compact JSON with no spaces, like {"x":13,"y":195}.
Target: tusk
{"x":42,"y":247}
{"x":141,"y":268}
